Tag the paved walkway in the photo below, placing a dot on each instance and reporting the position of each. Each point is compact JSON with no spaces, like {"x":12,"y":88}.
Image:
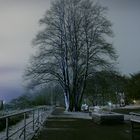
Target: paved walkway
{"x":79,"y":126}
{"x":63,"y":114}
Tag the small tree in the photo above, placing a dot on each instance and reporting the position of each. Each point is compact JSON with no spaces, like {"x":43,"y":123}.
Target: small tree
{"x":72,"y":46}
{"x":133,"y":87}
{"x":105,"y":86}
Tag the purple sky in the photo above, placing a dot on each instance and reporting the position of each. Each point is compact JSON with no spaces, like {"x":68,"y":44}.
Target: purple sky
{"x":19,"y":25}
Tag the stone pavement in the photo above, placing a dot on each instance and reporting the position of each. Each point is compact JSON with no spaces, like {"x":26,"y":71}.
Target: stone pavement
{"x":79,"y":126}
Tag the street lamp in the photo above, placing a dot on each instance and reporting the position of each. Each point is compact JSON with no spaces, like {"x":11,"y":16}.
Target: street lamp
{"x":110,"y":104}
{"x":134,"y":101}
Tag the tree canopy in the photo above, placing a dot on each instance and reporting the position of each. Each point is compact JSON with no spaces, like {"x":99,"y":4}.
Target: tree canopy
{"x":106,"y":86}
{"x":72,"y":46}
{"x":133,"y":87}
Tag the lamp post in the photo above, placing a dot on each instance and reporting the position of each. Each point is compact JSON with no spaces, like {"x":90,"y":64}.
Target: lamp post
{"x":110,"y":104}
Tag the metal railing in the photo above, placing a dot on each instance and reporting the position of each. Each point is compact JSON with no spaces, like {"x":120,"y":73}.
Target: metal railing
{"x":35,"y":121}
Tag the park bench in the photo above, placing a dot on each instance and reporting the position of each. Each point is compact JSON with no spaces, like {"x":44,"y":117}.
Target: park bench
{"x":135,"y":123}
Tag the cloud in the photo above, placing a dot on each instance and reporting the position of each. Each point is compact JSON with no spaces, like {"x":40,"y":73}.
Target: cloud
{"x":18,"y":26}
{"x":9,"y":69}
{"x":10,"y":82}
{"x":8,"y":93}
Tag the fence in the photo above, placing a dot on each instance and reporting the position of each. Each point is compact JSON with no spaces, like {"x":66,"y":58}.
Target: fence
{"x":35,"y":121}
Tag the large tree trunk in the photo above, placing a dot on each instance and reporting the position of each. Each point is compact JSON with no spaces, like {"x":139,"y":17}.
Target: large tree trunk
{"x":71,"y":103}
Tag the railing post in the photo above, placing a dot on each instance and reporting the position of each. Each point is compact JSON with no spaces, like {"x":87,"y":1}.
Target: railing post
{"x":33,"y":120}
{"x":7,"y":128}
{"x":25,"y":126}
{"x":132,"y":130}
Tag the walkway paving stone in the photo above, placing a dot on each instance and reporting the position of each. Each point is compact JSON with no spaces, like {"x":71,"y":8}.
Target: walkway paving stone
{"x":60,"y":126}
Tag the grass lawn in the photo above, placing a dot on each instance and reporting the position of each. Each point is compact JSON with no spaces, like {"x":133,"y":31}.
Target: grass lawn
{"x":63,"y":128}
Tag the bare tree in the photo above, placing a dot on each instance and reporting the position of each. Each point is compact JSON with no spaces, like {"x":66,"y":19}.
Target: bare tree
{"x":71,"y":47}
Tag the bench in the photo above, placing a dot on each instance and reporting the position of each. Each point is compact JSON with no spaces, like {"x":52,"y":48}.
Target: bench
{"x":135,"y":123}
